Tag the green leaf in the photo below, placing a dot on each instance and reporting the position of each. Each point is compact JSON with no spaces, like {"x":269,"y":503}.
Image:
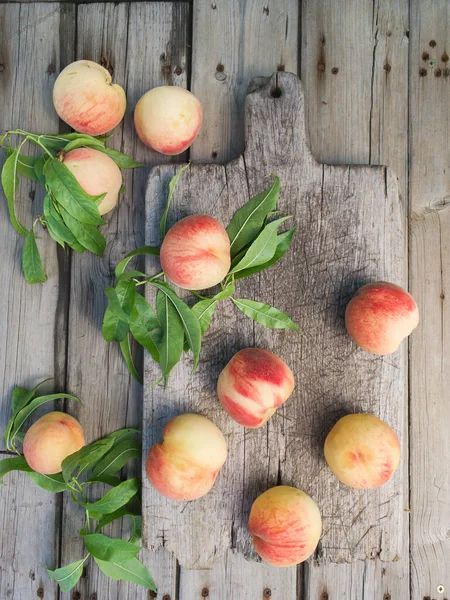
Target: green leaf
{"x":152,"y":250}
{"x":116,"y":322}
{"x":136,"y":532}
{"x":25,"y":166}
{"x":27,"y":411}
{"x":283,"y":243}
{"x":172,"y":334}
{"x":262,"y":249}
{"x":131,"y":570}
{"x":39,"y":166}
{"x":143,"y":324}
{"x":68,"y":193}
{"x":115,"y":498}
{"x":110,"y":549}
{"x":117,"y":514}
{"x":265,"y":314}
{"x":132,"y":274}
{"x":86,"y":457}
{"x":122,"y":160}
{"x":31,"y":260}
{"x":85,"y":141}
{"x":18,"y":463}
{"x":204,"y":309}
{"x":57,"y":228}
{"x":247,"y":222}
{"x":122,"y":434}
{"x":68,"y":576}
{"x":20,"y":398}
{"x":10,"y":182}
{"x":172,"y":185}
{"x":51,"y":483}
{"x":125,"y":348}
{"x":188,"y":318}
{"x":116,"y":458}
{"x":87,"y":235}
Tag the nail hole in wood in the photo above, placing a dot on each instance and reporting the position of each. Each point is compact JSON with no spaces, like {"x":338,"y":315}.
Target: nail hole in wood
{"x":40,"y":592}
{"x":2,"y":67}
{"x":275,"y":92}
{"x":446,"y":73}
{"x":178,"y":71}
{"x":76,"y":596}
{"x":166,"y":597}
{"x":387,"y":596}
{"x":205,"y":592}
{"x":425,"y":56}
{"x":335,"y":70}
{"x":280,"y":68}
{"x":152,"y":594}
{"x":51,"y":68}
{"x":93,"y":596}
{"x":267,"y":593}
{"x":444,"y":57}
{"x":422,"y":73}
{"x":213,"y":6}
{"x":266,"y":11}
{"x":324,"y":595}
{"x":214,"y":155}
{"x":432,"y":43}
{"x":387,"y":67}
{"x":438,"y":72}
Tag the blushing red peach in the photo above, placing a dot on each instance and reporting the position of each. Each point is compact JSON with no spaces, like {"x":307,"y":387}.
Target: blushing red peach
{"x":185,"y":465}
{"x":253,"y":385}
{"x":87,"y":100}
{"x":97,"y":173}
{"x":168,"y":118}
{"x":380,"y":316}
{"x":286,"y":525}
{"x":195,"y":253}
{"x":362,"y":451}
{"x":50,"y":440}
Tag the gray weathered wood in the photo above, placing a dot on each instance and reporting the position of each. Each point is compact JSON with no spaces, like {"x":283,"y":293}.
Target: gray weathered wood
{"x":337,"y":247}
{"x":355,"y":72}
{"x":29,"y":43}
{"x":144,"y":43}
{"x":429,"y":276}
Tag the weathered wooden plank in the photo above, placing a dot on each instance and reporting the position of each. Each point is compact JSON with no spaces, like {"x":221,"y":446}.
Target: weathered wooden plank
{"x":355,"y":72}
{"x":143,"y":43}
{"x":336,"y":248}
{"x":429,"y":276}
{"x":244,"y":39}
{"x":29,"y":315}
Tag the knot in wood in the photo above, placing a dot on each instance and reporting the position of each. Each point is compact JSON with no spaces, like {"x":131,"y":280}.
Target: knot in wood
{"x":422,"y":72}
{"x":335,"y":70}
{"x":267,"y":593}
{"x":2,"y":67}
{"x":425,"y":56}
{"x":166,"y":597}
{"x":178,"y":70}
{"x":387,"y":67}
{"x":438,"y":72}
{"x":76,"y":596}
{"x":40,"y":592}
{"x":433,"y":43}
{"x":321,"y":67}
{"x":205,"y":592}
{"x":51,"y":68}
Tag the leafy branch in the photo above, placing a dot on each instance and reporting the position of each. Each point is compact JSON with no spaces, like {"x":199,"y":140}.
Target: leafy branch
{"x":99,"y":462}
{"x":172,"y":327}
{"x":70,"y":215}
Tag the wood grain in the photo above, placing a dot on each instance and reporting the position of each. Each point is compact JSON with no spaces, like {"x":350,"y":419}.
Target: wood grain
{"x":118,"y":34}
{"x":336,"y":249}
{"x":29,"y":46}
{"x":430,"y":270}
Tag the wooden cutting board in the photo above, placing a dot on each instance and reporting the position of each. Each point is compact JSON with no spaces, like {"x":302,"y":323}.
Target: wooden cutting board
{"x":351,"y":230}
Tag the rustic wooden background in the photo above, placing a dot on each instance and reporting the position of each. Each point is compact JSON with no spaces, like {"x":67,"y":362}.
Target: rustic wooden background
{"x":376,"y":79}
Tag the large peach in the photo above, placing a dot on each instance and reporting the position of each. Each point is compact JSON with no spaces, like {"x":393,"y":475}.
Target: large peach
{"x":195,"y":253}
{"x":362,"y":451}
{"x":97,"y":173}
{"x":380,"y":316}
{"x":253,"y":385}
{"x":168,"y":118}
{"x":184,"y":466}
{"x":87,"y":100}
{"x":286,"y":525}
{"x":50,"y":440}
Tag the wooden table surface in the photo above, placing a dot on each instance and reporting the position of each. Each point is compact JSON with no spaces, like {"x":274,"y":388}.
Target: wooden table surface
{"x":375,"y":75}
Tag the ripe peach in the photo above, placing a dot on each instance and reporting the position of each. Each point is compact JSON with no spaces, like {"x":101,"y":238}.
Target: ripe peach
{"x":168,"y":118}
{"x":97,"y":173}
{"x":50,"y":440}
{"x":286,"y":525}
{"x":87,"y":100}
{"x":195,"y":253}
{"x":253,"y":385}
{"x":184,"y":466}
{"x":362,"y":451}
{"x":380,"y":316}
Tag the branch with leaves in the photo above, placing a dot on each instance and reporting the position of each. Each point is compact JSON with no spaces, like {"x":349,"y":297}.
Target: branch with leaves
{"x":172,"y":326}
{"x":99,"y":462}
{"x":70,"y":215}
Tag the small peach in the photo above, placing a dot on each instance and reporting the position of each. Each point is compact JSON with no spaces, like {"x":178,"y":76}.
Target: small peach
{"x":362,"y":451}
{"x":286,"y":525}
{"x":185,"y":465}
{"x":195,"y":253}
{"x":50,"y":440}
{"x":97,"y":173}
{"x":380,"y":316}
{"x":87,"y":100}
{"x":253,"y":385}
{"x":168,"y":118}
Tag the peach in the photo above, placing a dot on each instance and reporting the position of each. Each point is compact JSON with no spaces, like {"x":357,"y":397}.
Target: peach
{"x":97,"y":173}
{"x":286,"y":525}
{"x":380,"y":316}
{"x":87,"y":100}
{"x":195,"y":253}
{"x":253,"y":385}
{"x":185,"y":465}
{"x":50,"y":440}
{"x":168,"y":118}
{"x":362,"y":451}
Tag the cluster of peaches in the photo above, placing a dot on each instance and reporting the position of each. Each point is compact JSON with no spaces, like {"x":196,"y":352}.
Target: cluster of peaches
{"x":361,"y":450}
